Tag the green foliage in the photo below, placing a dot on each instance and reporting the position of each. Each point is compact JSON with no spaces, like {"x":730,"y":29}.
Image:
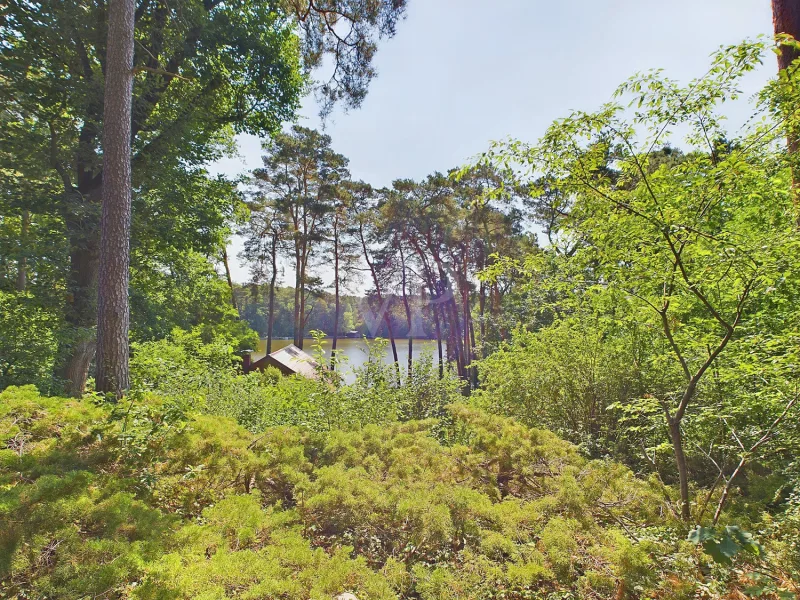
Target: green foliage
{"x":206,"y":377}
{"x":784,"y":536}
{"x":659,"y":328}
{"x":667,"y":299}
{"x":143,"y":500}
{"x":27,"y":341}
{"x":566,"y":377}
{"x":31,"y":245}
{"x":203,"y":72}
{"x":726,"y":543}
{"x":166,"y":362}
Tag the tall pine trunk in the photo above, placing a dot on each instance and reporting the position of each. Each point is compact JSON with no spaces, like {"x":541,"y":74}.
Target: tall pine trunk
{"x":438,"y":327}
{"x":386,"y":313}
{"x":387,"y":318}
{"x":298,"y":326}
{"x":303,"y":280}
{"x":482,"y":319}
{"x":481,"y":345}
{"x":115,"y":223}
{"x":473,"y":353}
{"x":786,"y":19}
{"x":469,"y":335}
{"x":22,"y":262}
{"x":228,"y":276}
{"x":336,"y":296}
{"x":408,"y":314}
{"x":450,"y":311}
{"x":271,"y":313}
{"x":435,"y":298}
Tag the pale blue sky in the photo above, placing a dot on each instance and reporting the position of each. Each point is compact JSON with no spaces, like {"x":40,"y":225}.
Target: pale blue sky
{"x":460,"y":73}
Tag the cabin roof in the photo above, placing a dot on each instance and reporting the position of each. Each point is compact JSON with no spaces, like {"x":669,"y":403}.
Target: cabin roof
{"x":289,"y":360}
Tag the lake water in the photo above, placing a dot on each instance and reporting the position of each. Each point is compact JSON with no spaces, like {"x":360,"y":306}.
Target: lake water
{"x":355,"y":350}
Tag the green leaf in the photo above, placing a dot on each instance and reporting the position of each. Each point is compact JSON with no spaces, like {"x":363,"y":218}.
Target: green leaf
{"x":699,"y":534}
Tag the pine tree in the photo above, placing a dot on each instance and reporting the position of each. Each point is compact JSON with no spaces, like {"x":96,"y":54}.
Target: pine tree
{"x":113,"y":314}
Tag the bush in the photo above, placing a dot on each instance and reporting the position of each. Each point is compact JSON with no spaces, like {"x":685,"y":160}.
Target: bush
{"x":205,"y":377}
{"x":145,"y":500}
{"x":27,"y":343}
{"x":564,"y":377}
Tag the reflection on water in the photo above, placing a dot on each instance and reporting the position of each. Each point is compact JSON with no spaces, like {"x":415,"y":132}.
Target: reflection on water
{"x":355,"y":351}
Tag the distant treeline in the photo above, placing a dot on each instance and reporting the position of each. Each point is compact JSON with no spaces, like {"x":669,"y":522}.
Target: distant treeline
{"x":360,"y":315}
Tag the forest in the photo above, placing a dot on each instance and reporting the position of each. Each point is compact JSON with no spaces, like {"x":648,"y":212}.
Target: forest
{"x":608,"y":403}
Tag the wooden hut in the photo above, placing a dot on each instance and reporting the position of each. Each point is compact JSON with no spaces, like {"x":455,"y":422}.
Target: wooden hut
{"x":289,"y":360}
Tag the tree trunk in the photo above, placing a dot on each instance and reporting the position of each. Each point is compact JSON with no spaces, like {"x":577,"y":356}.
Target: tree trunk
{"x":453,"y":319}
{"x":81,"y":319}
{"x":336,"y":299}
{"x":387,"y":317}
{"x":303,"y":318}
{"x":496,"y":304}
{"x":430,"y":281}
{"x":459,"y":345}
{"x":438,"y":327}
{"x":271,"y":313}
{"x":481,"y":347}
{"x":408,"y":314}
{"x":452,"y":345}
{"x":78,"y":346}
{"x":298,"y":326}
{"x":76,"y":370}
{"x":22,"y":263}
{"x":676,"y":437}
{"x":228,"y":276}
{"x":482,"y":318}
{"x":473,"y":368}
{"x":387,"y":313}
{"x":786,"y":19}
{"x":115,"y":224}
{"x":469,"y":335}
{"x":80,"y":210}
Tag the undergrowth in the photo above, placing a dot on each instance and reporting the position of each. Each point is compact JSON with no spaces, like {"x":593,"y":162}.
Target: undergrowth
{"x":145,"y":500}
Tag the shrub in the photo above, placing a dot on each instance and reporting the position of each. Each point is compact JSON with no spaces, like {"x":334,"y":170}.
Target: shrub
{"x":205,"y":377}
{"x":144,"y":499}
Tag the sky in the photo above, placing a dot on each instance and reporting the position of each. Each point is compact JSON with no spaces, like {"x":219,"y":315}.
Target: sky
{"x":461,"y":73}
